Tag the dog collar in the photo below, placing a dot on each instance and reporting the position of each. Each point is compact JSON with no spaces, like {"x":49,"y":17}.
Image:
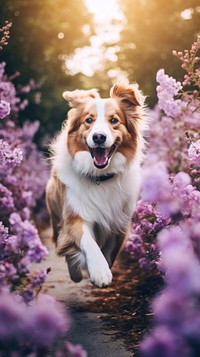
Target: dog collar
{"x":101,"y":178}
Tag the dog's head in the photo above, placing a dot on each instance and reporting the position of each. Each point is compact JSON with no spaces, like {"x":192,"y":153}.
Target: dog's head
{"x":100,"y":129}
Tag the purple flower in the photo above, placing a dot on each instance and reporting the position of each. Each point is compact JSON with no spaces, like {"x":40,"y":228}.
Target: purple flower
{"x":8,"y":273}
{"x":169,"y":307}
{"x":38,"y":279}
{"x":11,"y":317}
{"x":181,"y":265}
{"x":36,"y":326}
{"x":182,"y":179}
{"x":8,"y":157}
{"x":157,"y":188}
{"x":23,"y":265}
{"x":4,"y":109}
{"x":6,"y":200}
{"x":171,"y":186}
{"x":37,"y":252}
{"x":163,"y":343}
{"x":166,"y":92}
{"x":28,"y":294}
{"x":3,"y":232}
{"x":27,"y":327}
{"x":46,"y":321}
{"x":194,"y":153}
{"x":155,"y":183}
{"x":11,"y":245}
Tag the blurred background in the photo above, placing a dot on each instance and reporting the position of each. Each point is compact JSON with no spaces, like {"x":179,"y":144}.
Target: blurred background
{"x":69,"y":44}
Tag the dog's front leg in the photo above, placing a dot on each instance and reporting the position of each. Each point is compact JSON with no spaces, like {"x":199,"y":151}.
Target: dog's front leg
{"x":77,"y":244}
{"x":98,"y":269}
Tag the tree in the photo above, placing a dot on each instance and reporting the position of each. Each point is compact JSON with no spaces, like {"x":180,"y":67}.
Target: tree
{"x":42,"y":33}
{"x":152,"y":30}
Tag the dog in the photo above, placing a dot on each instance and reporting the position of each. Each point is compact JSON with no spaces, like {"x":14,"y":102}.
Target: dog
{"x":95,"y":178}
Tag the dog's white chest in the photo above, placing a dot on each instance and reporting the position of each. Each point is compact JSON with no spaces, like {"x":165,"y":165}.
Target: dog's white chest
{"x":109,"y":204}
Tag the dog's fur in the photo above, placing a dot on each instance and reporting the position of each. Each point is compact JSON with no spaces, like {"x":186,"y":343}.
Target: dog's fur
{"x":95,"y":180}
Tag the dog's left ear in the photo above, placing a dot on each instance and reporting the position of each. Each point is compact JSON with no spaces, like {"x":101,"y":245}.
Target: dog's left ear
{"x":128,"y":94}
{"x":77,"y":97}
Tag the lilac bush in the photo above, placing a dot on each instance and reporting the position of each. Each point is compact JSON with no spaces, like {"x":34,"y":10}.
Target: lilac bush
{"x":22,"y":181}
{"x":176,"y":309}
{"x":31,"y":324}
{"x":166,"y":226}
{"x":23,"y":175}
{"x":170,"y":191}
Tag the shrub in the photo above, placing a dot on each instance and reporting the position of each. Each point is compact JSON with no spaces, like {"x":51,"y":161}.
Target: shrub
{"x":166,"y":226}
{"x":30,"y":325}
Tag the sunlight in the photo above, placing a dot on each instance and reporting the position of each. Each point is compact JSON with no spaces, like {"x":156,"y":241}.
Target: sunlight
{"x":104,"y":10}
{"x":187,"y":14}
{"x":89,"y":59}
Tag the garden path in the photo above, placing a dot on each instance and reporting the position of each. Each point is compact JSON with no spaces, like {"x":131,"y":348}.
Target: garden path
{"x":87,"y":328}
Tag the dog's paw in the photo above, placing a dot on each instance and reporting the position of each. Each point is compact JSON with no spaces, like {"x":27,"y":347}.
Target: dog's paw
{"x":76,"y":276}
{"x":100,"y":274}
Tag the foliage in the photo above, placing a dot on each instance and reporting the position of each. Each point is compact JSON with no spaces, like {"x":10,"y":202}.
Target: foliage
{"x":36,"y":51}
{"x":151,"y":31}
{"x":167,"y":225}
{"x":27,"y":327}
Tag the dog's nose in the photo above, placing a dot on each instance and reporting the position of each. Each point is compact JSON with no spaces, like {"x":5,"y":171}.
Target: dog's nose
{"x":99,"y":138}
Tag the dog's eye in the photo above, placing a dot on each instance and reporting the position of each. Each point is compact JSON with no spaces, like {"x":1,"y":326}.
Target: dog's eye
{"x":114,"y":120}
{"x":88,"y":120}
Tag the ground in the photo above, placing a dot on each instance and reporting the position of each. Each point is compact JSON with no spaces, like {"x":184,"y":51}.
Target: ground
{"x":110,"y":321}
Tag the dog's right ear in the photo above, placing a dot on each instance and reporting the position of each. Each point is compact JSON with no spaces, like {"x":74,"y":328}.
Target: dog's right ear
{"x":77,"y":97}
{"x":130,"y":94}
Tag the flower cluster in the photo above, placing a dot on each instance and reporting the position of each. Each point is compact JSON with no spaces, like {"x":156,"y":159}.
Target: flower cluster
{"x":165,"y":200}
{"x":166,"y":92}
{"x":165,"y":230}
{"x":141,"y":245}
{"x":170,"y":192}
{"x":5,"y":30}
{"x":9,"y":101}
{"x":19,"y":192}
{"x":33,"y":330}
{"x":176,"y":309}
{"x":4,"y":109}
{"x":23,"y":176}
{"x":190,"y":61}
{"x":28,"y":326}
{"x":194,"y":153}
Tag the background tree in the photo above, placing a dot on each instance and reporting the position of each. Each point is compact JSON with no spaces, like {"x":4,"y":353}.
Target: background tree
{"x":42,"y":33}
{"x":152,"y":30}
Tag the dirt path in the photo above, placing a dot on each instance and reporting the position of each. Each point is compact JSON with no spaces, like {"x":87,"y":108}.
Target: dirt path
{"x":88,"y":327}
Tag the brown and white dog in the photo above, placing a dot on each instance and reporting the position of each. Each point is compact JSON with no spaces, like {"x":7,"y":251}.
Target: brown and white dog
{"x":95,"y":178}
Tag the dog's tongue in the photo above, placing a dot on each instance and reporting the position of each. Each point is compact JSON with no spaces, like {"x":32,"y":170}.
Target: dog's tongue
{"x":100,"y":157}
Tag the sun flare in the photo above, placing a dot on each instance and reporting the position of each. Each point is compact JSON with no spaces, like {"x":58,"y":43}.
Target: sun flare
{"x":91,"y":58}
{"x":104,"y":10}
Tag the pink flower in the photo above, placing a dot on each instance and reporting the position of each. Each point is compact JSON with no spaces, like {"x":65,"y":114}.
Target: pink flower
{"x":167,"y":89}
{"x":4,"y":109}
{"x":194,"y":153}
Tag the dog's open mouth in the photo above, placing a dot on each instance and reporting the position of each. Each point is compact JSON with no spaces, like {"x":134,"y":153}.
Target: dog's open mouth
{"x":101,"y":155}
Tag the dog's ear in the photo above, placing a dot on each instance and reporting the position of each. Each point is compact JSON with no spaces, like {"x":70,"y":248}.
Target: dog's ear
{"x":77,"y":97}
{"x":130,"y":95}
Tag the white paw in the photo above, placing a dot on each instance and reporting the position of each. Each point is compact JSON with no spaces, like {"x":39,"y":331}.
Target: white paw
{"x":100,"y":273}
{"x":97,"y":266}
